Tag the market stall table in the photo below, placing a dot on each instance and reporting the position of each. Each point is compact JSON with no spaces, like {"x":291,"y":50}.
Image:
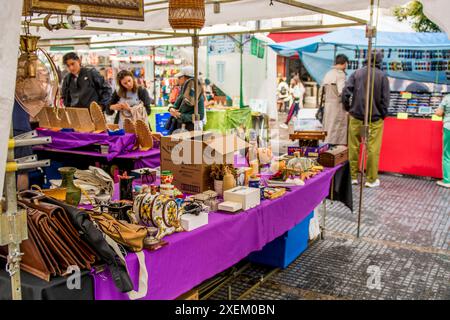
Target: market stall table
{"x":135,"y":159}
{"x":117,"y":145}
{"x":74,"y":149}
{"x":193,"y":257}
{"x":412,"y":146}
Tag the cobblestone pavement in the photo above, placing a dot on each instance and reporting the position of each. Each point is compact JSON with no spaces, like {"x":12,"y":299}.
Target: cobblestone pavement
{"x":405,"y":238}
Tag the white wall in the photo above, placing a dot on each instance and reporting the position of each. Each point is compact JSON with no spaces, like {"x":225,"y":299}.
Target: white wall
{"x":259,"y":76}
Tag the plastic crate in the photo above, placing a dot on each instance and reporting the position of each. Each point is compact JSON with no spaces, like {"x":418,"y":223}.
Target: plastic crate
{"x":161,"y":120}
{"x":282,"y":251}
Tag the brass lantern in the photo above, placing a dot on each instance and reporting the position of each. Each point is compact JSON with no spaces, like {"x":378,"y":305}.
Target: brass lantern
{"x":37,"y":78}
{"x":28,"y":47}
{"x":187,"y":14}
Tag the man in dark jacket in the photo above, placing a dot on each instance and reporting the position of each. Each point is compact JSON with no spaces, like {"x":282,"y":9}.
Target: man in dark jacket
{"x":353,"y":99}
{"x":82,"y":86}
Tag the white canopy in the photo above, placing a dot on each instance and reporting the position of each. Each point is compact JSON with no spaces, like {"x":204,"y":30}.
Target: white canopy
{"x":231,"y":12}
{"x":437,"y":11}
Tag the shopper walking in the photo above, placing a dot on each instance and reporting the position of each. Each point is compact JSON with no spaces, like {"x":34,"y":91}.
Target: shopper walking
{"x":353,"y":99}
{"x":128,"y":98}
{"x":444,"y":111}
{"x":296,"y":91}
{"x":82,"y":86}
{"x":283,"y":96}
{"x":183,"y":109}
{"x":335,"y":117}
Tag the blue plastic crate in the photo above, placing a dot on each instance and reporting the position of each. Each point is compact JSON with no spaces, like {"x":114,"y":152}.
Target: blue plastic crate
{"x":282,"y":251}
{"x":161,"y":120}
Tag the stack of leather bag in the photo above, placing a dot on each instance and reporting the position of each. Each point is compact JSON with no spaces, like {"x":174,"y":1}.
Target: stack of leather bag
{"x":59,"y":236}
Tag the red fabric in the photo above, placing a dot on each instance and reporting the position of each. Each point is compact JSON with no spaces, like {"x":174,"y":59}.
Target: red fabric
{"x":291,"y":36}
{"x":412,"y":146}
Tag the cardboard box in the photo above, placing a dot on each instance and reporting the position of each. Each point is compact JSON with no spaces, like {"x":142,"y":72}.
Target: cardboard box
{"x":189,"y":156}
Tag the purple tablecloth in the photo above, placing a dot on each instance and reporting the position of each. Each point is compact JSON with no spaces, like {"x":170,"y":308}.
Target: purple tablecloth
{"x":118,"y":145}
{"x":193,"y":257}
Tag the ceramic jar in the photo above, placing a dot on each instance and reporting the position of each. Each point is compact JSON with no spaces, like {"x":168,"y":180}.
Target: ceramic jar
{"x":166,"y":177}
{"x":167,"y":190}
{"x":229,"y":182}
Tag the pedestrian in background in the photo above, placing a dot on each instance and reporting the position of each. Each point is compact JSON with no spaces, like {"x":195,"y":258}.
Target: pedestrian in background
{"x":354,"y":100}
{"x":130,"y":95}
{"x":283,"y":96}
{"x":82,"y":86}
{"x":296,"y":91}
{"x":444,"y":111}
{"x":335,"y":117}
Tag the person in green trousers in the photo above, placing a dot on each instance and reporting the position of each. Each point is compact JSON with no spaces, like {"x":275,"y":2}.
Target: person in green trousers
{"x":373,"y":149}
{"x":444,"y":111}
{"x":354,"y":100}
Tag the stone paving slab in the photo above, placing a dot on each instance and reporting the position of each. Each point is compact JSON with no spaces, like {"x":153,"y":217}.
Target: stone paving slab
{"x":405,"y":240}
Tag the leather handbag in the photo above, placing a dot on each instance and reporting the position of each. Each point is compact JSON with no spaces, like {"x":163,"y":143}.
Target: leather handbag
{"x":129,"y":235}
{"x":96,"y":239}
{"x":56,"y":234}
{"x":60,"y":234}
{"x":53,"y":245}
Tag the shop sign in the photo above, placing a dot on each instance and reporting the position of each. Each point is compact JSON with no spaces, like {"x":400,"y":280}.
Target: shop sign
{"x":126,"y":52}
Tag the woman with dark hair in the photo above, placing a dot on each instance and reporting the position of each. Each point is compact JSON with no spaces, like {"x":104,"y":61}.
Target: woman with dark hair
{"x":128,"y":96}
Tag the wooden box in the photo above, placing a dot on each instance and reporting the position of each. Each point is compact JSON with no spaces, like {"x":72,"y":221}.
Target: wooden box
{"x":334,"y":157}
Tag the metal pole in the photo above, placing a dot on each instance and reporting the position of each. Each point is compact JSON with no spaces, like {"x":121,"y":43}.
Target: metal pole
{"x":365,"y":133}
{"x":241,"y":79}
{"x":309,"y":7}
{"x":154,"y":77}
{"x":13,"y":247}
{"x":196,"y":44}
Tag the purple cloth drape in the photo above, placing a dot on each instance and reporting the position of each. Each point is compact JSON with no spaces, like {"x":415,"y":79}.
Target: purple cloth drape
{"x":118,"y":145}
{"x":193,"y":257}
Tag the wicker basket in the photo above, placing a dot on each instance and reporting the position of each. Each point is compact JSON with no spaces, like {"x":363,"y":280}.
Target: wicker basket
{"x":187,"y":14}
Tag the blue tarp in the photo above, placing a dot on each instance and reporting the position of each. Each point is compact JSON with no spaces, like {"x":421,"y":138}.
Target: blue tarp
{"x":412,"y":56}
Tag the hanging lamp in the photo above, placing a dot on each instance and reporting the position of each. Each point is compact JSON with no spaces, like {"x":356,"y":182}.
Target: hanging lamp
{"x":190,"y":14}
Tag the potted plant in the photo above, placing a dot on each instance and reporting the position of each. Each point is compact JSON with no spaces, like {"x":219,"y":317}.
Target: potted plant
{"x":218,"y":172}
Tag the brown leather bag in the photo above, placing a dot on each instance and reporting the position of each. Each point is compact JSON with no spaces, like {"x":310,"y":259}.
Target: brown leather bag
{"x":53,"y":242}
{"x":131,"y":236}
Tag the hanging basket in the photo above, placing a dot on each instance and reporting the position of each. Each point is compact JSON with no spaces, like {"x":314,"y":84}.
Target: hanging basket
{"x":187,"y":14}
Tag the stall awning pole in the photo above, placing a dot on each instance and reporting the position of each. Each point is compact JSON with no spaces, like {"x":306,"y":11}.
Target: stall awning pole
{"x":196,"y":45}
{"x":371,"y":32}
{"x":241,"y":79}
